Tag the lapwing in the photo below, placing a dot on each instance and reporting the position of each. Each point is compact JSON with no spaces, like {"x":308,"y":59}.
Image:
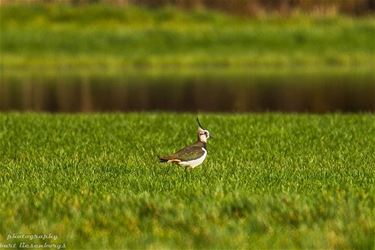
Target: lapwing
{"x":192,"y":155}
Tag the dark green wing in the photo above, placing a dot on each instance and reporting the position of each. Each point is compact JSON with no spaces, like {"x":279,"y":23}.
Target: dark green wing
{"x":189,"y":153}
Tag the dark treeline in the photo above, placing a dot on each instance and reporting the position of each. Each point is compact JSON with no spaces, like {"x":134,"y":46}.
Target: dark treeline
{"x":245,"y":7}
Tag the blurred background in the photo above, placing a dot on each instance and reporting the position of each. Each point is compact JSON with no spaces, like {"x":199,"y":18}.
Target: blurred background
{"x":187,"y":55}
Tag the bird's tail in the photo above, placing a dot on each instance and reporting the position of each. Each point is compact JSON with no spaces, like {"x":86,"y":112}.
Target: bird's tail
{"x":163,"y":159}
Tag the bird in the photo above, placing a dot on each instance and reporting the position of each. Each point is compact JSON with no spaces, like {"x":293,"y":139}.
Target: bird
{"x":193,"y":155}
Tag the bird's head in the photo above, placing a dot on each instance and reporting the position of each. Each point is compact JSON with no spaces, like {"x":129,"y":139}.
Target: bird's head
{"x":203,"y":134}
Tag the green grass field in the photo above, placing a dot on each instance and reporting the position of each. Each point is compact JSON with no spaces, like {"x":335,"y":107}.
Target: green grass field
{"x":62,"y":38}
{"x":269,"y":181}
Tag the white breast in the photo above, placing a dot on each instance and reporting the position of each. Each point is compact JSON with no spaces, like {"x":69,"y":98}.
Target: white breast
{"x":196,"y":162}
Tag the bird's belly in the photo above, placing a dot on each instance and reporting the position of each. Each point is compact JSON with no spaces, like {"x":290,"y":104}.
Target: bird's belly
{"x":194,"y":163}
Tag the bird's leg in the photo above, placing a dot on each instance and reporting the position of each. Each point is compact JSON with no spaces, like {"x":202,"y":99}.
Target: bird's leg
{"x":186,"y":172}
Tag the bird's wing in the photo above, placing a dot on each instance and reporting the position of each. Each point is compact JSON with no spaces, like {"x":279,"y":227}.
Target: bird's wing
{"x":189,"y":153}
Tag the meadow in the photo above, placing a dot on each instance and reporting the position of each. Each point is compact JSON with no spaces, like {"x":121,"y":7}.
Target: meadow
{"x":101,"y":37}
{"x":269,"y":181}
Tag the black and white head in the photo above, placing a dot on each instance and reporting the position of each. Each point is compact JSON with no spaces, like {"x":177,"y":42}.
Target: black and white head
{"x":203,"y":134}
